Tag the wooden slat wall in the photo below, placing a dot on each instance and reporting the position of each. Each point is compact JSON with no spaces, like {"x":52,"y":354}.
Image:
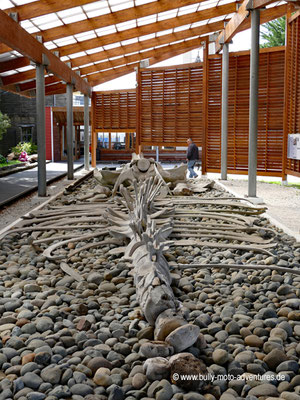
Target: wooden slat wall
{"x":170,"y":105}
{"x":114,"y":110}
{"x":292,"y":109}
{"x":270,"y":119}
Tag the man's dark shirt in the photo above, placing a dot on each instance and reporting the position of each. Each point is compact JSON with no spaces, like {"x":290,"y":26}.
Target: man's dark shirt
{"x":192,"y":152}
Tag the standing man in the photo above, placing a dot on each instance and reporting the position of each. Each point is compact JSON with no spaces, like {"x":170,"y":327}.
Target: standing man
{"x":192,"y":156}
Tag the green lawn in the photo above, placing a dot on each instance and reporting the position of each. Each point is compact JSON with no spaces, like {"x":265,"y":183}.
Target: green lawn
{"x":294,"y":185}
{"x":9,"y":163}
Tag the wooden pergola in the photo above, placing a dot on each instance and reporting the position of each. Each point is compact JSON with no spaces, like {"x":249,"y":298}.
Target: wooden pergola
{"x":53,"y":46}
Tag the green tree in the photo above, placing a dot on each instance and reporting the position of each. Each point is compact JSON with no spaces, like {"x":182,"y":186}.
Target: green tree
{"x":273,"y":33}
{"x":4,"y":124}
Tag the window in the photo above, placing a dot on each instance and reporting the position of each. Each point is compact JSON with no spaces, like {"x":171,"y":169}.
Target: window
{"x":26,"y":133}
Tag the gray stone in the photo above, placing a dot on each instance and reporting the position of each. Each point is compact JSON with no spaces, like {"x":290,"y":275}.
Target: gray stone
{"x":232,"y":328}
{"x":220,"y":356}
{"x":44,"y":324}
{"x":31,"y":287}
{"x":139,"y":380}
{"x":245,"y":357}
{"x":81,"y":389}
{"x":32,"y":380}
{"x":155,"y":349}
{"x":183,"y":337}
{"x":51,"y":375}
{"x":164,"y":390}
{"x":157,"y":368}
{"x":289,"y":365}
{"x":265,"y":389}
{"x":36,"y":396}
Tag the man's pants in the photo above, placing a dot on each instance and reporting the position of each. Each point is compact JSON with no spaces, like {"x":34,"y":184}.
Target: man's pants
{"x":191,"y":164}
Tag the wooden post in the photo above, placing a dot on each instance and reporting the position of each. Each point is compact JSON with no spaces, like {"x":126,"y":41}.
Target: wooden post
{"x":204,"y":107}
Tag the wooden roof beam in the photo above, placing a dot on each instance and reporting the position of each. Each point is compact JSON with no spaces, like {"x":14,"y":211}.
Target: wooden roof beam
{"x":116,"y":17}
{"x":14,"y":63}
{"x":235,"y":24}
{"x":190,"y":44}
{"x":116,"y":73}
{"x":147,"y":29}
{"x":14,"y":36}
{"x":117,"y":51}
{"x":105,"y":76}
{"x":43,"y":7}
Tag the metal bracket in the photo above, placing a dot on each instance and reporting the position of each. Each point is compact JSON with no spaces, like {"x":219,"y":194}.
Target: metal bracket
{"x":14,"y":16}
{"x":56,"y":53}
{"x":73,"y":81}
{"x":144,"y":63}
{"x":45,"y":60}
{"x":69,"y":64}
{"x":213,"y":37}
{"x":39,"y":38}
{"x":78,"y":72}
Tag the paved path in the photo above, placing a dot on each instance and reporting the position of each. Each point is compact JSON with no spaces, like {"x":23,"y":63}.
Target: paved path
{"x":283,"y":203}
{"x":20,"y":183}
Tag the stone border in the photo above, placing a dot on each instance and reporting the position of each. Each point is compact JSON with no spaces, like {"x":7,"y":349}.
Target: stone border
{"x":52,"y":198}
{"x":271,"y":219}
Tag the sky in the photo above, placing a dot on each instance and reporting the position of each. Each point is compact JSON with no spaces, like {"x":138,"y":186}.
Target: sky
{"x":242,"y":41}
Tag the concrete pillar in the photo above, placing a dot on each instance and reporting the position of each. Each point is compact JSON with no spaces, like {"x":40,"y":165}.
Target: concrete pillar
{"x":70,"y":130}
{"x":224,"y":124}
{"x":86,"y":132}
{"x":157,"y":153}
{"x":253,"y":112}
{"x":41,"y":130}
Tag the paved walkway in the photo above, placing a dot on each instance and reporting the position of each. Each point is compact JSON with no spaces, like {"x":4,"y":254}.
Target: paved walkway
{"x":283,"y":203}
{"x":20,"y":183}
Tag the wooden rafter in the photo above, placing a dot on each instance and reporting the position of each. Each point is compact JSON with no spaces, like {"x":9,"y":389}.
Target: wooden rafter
{"x":266,"y":15}
{"x":122,"y":50}
{"x":235,"y":24}
{"x":153,"y":53}
{"x":147,"y":29}
{"x":13,"y":35}
{"x":116,"y":17}
{"x":127,"y":49}
{"x":116,"y":73}
{"x":43,"y":7}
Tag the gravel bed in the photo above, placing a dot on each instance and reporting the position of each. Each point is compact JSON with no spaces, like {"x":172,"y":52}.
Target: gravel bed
{"x":65,"y":338}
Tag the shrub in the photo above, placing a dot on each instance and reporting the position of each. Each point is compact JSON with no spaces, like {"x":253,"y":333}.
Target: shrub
{"x":28,"y":147}
{"x":3,"y":160}
{"x":4,"y":124}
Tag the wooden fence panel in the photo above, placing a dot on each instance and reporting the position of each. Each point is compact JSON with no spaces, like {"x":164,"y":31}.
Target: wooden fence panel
{"x":170,"y":101}
{"x":292,"y":79}
{"x":115,"y":110}
{"x":270,"y":118}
